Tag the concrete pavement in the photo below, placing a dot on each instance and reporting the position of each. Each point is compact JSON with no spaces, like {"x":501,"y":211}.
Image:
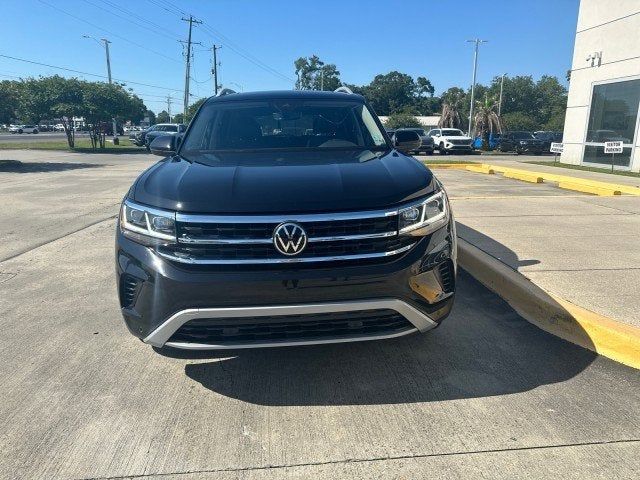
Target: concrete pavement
{"x":487,"y":394}
{"x":581,"y":247}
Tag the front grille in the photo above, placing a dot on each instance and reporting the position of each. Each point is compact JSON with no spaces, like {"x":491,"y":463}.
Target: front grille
{"x":292,"y":328}
{"x":460,"y":142}
{"x":266,"y":252}
{"x":226,"y":240}
{"x":129,"y":289}
{"x":264,"y":231}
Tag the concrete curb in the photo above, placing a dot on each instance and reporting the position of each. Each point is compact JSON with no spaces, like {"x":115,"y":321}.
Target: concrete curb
{"x":594,"y":187}
{"x":578,"y":184}
{"x":603,"y":335}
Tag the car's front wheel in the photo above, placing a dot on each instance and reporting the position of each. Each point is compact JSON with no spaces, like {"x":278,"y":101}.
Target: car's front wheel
{"x":19,"y":131}
{"x":441,"y":149}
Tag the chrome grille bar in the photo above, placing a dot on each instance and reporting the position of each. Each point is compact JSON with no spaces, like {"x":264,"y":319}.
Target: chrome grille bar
{"x":254,"y":261}
{"x":307,"y":217}
{"x":249,"y":241}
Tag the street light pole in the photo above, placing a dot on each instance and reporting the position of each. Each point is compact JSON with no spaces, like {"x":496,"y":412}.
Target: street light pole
{"x":500,"y":103}
{"x":477,"y":42}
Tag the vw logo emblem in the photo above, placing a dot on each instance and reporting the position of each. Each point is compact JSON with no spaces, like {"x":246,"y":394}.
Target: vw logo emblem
{"x":289,"y":238}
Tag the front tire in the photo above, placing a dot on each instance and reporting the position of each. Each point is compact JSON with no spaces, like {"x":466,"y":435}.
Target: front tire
{"x":19,"y":131}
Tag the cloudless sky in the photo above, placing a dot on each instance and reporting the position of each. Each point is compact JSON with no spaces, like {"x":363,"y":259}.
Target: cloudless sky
{"x":363,"y":38}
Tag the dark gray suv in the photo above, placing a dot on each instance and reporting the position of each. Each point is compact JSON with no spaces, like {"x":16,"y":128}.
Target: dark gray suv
{"x":284,"y":218}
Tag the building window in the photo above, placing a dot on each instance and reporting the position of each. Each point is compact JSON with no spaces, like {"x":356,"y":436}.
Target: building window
{"x":613,"y":115}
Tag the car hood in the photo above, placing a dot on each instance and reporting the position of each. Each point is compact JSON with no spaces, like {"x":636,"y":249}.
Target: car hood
{"x":290,"y":182}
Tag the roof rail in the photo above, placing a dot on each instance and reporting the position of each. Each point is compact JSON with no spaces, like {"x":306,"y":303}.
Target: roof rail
{"x":343,"y":90}
{"x":225,"y":91}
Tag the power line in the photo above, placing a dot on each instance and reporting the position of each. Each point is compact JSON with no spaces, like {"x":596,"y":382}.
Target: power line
{"x":140,"y":18}
{"x":108,"y":31}
{"x":129,"y":19}
{"x":33,"y":62}
{"x":247,"y":56}
{"x":168,"y":7}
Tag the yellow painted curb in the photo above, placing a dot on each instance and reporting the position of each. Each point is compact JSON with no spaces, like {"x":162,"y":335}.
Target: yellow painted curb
{"x":579,"y":187}
{"x":525,"y":177}
{"x":603,"y":335}
{"x":480,"y":169}
{"x":597,"y":187}
{"x":460,"y":166}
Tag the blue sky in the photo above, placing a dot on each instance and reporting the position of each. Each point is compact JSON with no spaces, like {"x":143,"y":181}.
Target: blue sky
{"x":363,"y":38}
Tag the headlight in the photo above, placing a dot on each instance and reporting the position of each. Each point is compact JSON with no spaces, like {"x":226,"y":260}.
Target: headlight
{"x":148,"y":221}
{"x":522,"y":142}
{"x":424,"y":217}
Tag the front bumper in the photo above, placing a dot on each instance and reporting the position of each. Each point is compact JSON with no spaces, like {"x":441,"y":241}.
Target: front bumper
{"x":451,"y":147}
{"x":159,"y":297}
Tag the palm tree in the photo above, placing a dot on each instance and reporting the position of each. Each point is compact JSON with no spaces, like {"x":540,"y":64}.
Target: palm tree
{"x":451,"y":108}
{"x":486,"y":120}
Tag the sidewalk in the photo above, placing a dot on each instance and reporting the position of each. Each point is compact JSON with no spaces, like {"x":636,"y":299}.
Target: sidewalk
{"x":580,"y":247}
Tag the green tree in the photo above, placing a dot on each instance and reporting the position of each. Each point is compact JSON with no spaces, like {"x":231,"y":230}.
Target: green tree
{"x":151,"y":116}
{"x":103,"y":102}
{"x":453,"y":108}
{"x":424,"y":87}
{"x":486,"y":120}
{"x":519,"y":121}
{"x":52,"y":97}
{"x":193,"y":109}
{"x":163,"y":117}
{"x":391,"y":92}
{"x":178,"y":118}
{"x":401,"y":120}
{"x":9,"y":101}
{"x":551,"y":99}
{"x":314,"y":74}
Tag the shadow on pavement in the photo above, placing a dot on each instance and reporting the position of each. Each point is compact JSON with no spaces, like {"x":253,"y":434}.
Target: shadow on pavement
{"x":483,"y":349}
{"x":493,"y":247}
{"x":16,"y":166}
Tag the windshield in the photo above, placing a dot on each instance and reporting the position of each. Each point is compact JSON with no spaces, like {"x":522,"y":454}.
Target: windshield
{"x":452,"y":132}
{"x":283,"y":124}
{"x":419,"y":131}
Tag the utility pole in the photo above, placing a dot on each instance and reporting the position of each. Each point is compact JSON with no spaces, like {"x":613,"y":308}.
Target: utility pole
{"x":477,"y":41}
{"x":106,"y":49}
{"x":169,"y":100}
{"x":187,"y":76}
{"x":214,"y":69}
{"x":500,"y":103}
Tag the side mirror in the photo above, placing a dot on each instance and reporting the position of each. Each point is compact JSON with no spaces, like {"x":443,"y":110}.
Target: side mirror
{"x":437,"y":134}
{"x":163,"y":145}
{"x":407,"y":141}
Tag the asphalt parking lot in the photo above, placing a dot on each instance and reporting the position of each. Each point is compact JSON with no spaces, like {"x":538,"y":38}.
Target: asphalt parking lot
{"x":485,"y":395}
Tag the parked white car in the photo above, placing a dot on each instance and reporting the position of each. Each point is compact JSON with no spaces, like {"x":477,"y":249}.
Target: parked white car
{"x":58,"y":127}
{"x":447,"y":140}
{"x":23,"y":129}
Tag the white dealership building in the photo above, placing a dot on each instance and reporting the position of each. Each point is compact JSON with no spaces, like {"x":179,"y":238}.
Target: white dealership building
{"x":604,"y":90}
